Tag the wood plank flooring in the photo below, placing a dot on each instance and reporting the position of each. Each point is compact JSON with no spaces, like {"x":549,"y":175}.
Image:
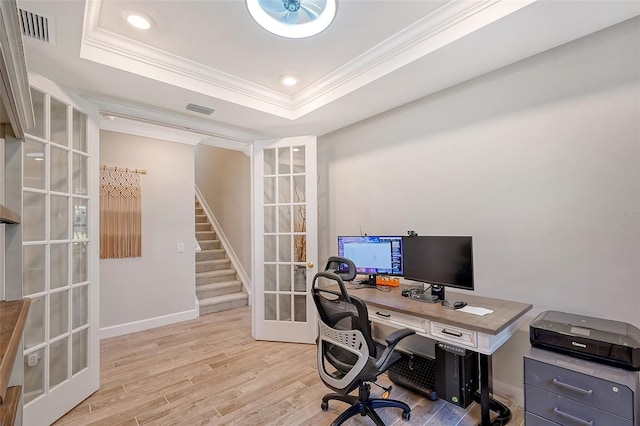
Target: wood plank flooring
{"x":210,"y":371}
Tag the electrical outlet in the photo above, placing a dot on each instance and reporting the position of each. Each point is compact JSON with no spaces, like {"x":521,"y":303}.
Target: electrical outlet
{"x":180,"y":248}
{"x":32,"y":359}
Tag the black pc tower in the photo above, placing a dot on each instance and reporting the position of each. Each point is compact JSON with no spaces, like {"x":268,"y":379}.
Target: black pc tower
{"x":456,"y":374}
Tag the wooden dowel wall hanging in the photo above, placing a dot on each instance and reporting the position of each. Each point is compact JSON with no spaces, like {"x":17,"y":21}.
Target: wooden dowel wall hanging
{"x":120,"y":212}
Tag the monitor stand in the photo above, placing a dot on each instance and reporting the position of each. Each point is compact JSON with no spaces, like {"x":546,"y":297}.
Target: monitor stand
{"x":370,"y":281}
{"x":436,"y":296}
{"x":438,"y":292}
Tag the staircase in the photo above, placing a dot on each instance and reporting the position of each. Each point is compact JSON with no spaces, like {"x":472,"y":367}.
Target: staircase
{"x":217,"y":284}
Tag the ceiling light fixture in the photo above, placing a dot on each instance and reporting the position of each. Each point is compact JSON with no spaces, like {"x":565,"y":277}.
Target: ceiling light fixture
{"x":137,"y":19}
{"x":38,"y":156}
{"x":293,"y":18}
{"x":288,"y":80}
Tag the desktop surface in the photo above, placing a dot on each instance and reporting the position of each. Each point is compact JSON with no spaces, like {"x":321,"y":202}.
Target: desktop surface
{"x":505,"y":312}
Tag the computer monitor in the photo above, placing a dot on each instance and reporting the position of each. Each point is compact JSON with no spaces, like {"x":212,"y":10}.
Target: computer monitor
{"x":441,"y":261}
{"x":373,"y":255}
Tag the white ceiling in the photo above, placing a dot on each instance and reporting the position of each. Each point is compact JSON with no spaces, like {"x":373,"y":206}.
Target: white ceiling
{"x":375,"y":56}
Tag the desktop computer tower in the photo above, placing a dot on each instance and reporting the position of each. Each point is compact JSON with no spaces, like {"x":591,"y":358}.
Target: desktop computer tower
{"x":456,"y":374}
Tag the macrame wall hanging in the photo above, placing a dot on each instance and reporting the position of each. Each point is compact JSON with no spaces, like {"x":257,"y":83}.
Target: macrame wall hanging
{"x":120,"y":212}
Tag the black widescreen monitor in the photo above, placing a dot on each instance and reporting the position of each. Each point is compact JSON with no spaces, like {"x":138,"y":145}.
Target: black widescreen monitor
{"x":373,"y":255}
{"x":442,"y":261}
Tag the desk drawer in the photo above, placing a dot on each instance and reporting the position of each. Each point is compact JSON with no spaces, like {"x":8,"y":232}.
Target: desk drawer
{"x":568,"y":412}
{"x":397,"y":319}
{"x":533,"y":420}
{"x":456,"y":335}
{"x":603,"y":394}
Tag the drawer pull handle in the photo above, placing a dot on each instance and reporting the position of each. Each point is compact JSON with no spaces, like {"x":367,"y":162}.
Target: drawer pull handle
{"x":573,"y":388}
{"x":383,"y":314}
{"x":450,"y":333}
{"x":574,"y":418}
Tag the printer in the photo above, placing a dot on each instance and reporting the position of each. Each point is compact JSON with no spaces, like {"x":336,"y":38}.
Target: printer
{"x":608,"y":342}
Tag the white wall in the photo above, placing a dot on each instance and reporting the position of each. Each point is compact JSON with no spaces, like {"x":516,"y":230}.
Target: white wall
{"x":538,"y":161}
{"x":159,"y":287}
{"x":224,"y":179}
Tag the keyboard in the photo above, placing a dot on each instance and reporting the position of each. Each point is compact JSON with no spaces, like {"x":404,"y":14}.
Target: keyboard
{"x":416,"y":373}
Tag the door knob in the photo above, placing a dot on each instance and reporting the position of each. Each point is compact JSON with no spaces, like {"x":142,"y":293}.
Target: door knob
{"x":310,"y":265}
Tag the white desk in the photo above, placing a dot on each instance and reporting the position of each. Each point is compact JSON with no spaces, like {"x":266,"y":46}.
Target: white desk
{"x":481,"y":334}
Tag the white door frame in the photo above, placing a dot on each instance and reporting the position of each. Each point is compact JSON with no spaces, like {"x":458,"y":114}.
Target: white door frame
{"x":287,"y":329}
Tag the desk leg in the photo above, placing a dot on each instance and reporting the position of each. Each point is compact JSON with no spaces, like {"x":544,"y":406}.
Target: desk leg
{"x":486,"y":403}
{"x":485,"y":387}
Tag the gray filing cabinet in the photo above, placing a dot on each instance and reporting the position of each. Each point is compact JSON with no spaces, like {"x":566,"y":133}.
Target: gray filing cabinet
{"x":562,"y":390}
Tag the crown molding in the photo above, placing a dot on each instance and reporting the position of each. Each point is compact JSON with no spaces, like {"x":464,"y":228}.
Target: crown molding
{"x":445,"y":25}
{"x":109,"y":48}
{"x":151,"y":123}
{"x":14,"y":81}
{"x":149,"y":130}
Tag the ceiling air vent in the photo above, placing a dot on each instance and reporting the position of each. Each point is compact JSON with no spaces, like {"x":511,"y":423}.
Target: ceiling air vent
{"x":36,"y":26}
{"x":200,"y":109}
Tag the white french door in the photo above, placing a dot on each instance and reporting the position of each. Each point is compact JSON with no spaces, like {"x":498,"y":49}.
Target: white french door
{"x":60,"y":254}
{"x":284,"y":239}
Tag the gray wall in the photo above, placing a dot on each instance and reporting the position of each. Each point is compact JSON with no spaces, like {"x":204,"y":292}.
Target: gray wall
{"x":538,"y":161}
{"x":159,"y":287}
{"x":224,"y":179}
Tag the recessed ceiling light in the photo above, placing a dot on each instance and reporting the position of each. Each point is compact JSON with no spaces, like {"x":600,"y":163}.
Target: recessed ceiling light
{"x":137,"y":19}
{"x":293,"y":18}
{"x":288,"y":80}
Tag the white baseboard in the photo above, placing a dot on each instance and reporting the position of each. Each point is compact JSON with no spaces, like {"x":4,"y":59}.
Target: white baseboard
{"x":146,"y":324}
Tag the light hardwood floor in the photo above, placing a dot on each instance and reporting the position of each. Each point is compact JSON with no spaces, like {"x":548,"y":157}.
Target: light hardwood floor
{"x":210,"y":371}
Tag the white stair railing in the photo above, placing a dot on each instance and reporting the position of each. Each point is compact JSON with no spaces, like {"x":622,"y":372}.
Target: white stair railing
{"x":235,"y":261}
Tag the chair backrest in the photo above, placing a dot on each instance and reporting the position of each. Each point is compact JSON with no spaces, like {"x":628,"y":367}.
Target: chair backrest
{"x":341,"y":266}
{"x":344,"y":340}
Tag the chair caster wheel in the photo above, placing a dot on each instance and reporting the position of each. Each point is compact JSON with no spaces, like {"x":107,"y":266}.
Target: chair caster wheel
{"x":324,"y":405}
{"x":406,"y":416}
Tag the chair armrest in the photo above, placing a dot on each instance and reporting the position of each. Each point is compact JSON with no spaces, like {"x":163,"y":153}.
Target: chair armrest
{"x":398,"y":335}
{"x":392,"y":340}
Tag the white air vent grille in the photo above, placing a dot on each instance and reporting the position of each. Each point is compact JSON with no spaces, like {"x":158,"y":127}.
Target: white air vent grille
{"x":200,"y":109}
{"x":36,"y":26}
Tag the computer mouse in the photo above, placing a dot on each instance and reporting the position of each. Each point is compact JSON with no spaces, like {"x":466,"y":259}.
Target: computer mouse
{"x":458,"y":305}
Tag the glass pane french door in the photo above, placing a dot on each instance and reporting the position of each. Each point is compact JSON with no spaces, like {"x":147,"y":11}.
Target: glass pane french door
{"x":60,"y":352}
{"x":285,"y":239}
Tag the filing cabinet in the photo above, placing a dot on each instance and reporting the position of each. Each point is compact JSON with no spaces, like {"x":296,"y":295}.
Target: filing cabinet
{"x":562,"y":390}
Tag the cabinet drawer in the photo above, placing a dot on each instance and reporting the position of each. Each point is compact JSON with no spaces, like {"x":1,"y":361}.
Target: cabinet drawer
{"x":533,"y":420}
{"x":603,"y":394}
{"x":397,"y":319}
{"x":568,"y":412}
{"x":454,"y":334}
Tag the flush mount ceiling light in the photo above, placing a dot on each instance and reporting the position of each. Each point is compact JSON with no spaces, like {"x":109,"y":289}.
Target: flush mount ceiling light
{"x":288,"y":80}
{"x":293,"y":18}
{"x":137,"y":19}
{"x":38,"y":156}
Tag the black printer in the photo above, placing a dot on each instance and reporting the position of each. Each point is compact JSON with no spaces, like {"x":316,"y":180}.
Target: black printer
{"x":595,"y":339}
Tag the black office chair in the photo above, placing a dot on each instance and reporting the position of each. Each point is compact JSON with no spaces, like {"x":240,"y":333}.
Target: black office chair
{"x":348,"y":357}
